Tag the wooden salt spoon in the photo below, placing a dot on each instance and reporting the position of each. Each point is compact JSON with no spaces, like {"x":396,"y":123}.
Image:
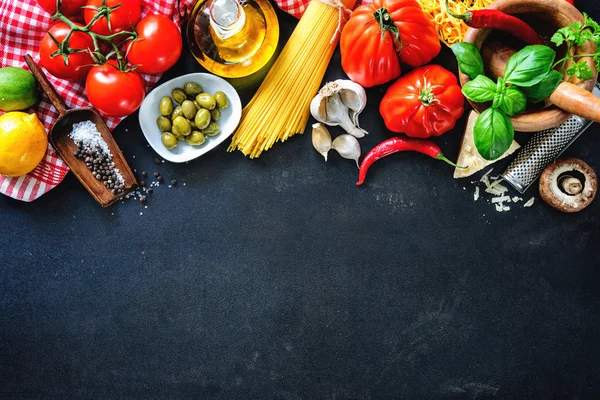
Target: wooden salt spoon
{"x":65,"y":146}
{"x":568,"y":97}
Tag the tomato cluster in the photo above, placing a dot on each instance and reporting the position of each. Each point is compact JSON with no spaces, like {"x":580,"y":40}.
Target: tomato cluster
{"x":75,"y":52}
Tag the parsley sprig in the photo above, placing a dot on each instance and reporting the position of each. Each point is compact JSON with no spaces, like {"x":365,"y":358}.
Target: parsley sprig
{"x":577,"y":34}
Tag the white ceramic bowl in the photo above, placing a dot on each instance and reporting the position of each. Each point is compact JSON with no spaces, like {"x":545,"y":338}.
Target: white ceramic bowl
{"x":230,"y":117}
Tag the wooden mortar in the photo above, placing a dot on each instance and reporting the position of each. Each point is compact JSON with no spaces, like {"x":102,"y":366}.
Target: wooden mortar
{"x":558,"y":14}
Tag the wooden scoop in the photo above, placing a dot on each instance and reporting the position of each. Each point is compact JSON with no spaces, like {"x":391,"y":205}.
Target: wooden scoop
{"x":567,"y":96}
{"x":65,"y":146}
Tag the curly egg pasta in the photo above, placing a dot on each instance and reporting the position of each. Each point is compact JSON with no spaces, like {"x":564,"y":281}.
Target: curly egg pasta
{"x":451,"y":30}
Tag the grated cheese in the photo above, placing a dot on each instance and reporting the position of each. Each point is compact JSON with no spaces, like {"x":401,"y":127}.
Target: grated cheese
{"x":494,"y":187}
{"x":529,"y":202}
{"x":501,"y":199}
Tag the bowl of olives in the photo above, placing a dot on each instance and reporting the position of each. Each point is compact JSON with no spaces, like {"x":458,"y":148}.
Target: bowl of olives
{"x":190,"y":115}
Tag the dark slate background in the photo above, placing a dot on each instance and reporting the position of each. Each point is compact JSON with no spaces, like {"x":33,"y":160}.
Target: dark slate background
{"x":278,"y":278}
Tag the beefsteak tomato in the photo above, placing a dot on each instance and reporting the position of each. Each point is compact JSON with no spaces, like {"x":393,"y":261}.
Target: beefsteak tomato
{"x":380,"y":36}
{"x":69,"y":8}
{"x":113,"y":92}
{"x":123,"y":18}
{"x":78,"y":64}
{"x":157,"y":47}
{"x":425,"y":102}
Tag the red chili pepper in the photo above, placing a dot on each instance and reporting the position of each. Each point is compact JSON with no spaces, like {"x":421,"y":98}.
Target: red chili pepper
{"x":396,"y":144}
{"x":496,"y":19}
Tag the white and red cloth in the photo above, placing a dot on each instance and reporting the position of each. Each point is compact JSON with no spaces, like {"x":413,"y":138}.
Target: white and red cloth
{"x":22,"y":25}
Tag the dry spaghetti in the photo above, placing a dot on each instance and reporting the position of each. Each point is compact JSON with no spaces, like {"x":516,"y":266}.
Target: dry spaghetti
{"x":451,"y":30}
{"x":280,"y":107}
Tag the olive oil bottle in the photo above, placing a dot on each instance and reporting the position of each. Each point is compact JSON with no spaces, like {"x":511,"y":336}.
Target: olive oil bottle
{"x":235,"y":39}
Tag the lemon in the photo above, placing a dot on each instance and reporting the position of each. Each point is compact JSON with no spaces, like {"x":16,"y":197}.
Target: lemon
{"x":23,"y":143}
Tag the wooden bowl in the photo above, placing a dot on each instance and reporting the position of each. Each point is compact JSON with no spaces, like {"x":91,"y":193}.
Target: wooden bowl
{"x":546,"y":15}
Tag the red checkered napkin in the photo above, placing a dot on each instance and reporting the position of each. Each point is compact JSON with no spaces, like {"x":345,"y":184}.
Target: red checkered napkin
{"x":22,"y":26}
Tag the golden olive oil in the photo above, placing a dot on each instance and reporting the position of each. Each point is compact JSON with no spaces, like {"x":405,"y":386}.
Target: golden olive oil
{"x":232,"y":38}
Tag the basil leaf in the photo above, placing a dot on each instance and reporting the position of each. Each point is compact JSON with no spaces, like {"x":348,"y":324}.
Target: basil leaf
{"x":529,"y":65}
{"x":545,"y":88}
{"x":480,"y":89}
{"x":511,"y":100}
{"x":468,"y":58}
{"x":493,"y":133}
{"x":581,"y":70}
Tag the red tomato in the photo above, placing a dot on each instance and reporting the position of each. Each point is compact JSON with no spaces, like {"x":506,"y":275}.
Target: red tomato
{"x":425,"y":102}
{"x":381,"y":35}
{"x":78,"y":65}
{"x":158,"y":46}
{"x":121,"y":19}
{"x":112,"y":92}
{"x":69,"y":8}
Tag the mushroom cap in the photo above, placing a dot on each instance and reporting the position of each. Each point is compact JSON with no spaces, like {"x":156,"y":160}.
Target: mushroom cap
{"x":555,"y":197}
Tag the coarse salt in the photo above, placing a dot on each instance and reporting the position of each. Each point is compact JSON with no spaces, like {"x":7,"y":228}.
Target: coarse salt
{"x":87,"y":133}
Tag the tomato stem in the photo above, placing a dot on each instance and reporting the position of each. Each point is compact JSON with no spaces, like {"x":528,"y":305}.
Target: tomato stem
{"x":426,"y":94}
{"x":386,"y":23}
{"x":103,"y":11}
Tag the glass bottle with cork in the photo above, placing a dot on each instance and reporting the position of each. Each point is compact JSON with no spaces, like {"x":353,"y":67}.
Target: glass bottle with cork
{"x":235,"y":39}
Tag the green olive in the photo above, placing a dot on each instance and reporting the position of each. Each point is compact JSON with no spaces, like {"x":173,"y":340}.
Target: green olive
{"x":168,"y":140}
{"x":165,"y":106}
{"x":178,"y":111}
{"x":221,"y":100}
{"x":178,"y":95}
{"x":196,"y":138}
{"x":189,"y":109}
{"x":202,"y":119}
{"x":192,"y":89}
{"x":182,"y":125}
{"x":215,"y":114}
{"x":178,"y":134}
{"x":206,"y":101}
{"x":164,"y":124}
{"x":198,"y":106}
{"x":212,"y":129}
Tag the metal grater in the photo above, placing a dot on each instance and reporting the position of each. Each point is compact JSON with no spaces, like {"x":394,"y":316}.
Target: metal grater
{"x":542,"y":149}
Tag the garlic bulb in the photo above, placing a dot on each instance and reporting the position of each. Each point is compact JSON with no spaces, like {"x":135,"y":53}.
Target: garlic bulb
{"x":321,"y":139}
{"x":339,"y":103}
{"x":347,"y":146}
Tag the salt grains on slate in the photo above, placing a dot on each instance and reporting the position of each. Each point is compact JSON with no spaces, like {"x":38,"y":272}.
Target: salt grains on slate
{"x":94,"y":151}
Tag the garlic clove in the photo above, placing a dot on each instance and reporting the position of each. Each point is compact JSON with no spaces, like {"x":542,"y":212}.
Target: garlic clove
{"x":353,"y":95}
{"x":321,"y":139}
{"x":339,"y":103}
{"x":318,"y":108}
{"x":337,"y":114}
{"x":347,"y":146}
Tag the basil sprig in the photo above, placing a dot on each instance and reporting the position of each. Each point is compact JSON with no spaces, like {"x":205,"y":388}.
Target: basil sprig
{"x":480,"y":89}
{"x":493,"y":133}
{"x":528,"y":66}
{"x":469,"y":59}
{"x":545,"y":87}
{"x":528,"y":75}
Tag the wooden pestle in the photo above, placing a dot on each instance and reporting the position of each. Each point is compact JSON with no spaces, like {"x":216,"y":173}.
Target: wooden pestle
{"x":567,"y":96}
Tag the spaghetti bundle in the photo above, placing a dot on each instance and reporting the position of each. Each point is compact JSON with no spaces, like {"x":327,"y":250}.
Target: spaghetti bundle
{"x":451,"y":30}
{"x":281,"y":106}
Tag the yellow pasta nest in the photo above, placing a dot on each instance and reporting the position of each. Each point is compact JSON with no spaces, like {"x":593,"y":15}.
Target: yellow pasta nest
{"x":451,"y":30}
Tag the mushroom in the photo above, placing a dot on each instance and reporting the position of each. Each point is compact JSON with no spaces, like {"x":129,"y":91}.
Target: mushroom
{"x":563,"y":190}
